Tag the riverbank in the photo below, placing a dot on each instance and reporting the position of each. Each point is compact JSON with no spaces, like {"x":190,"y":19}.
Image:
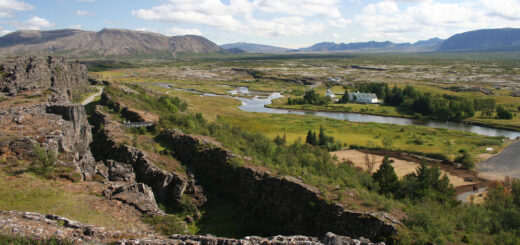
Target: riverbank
{"x":385,"y":111}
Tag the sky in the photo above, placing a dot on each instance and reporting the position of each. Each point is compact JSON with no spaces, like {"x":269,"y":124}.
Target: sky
{"x":285,"y":23}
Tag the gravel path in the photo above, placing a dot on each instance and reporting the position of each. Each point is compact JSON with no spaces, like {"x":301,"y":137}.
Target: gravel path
{"x":91,"y":98}
{"x":507,"y":163}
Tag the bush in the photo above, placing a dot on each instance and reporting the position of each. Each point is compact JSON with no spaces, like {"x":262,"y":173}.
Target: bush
{"x":502,"y":113}
{"x":467,"y":160}
{"x":166,"y":224}
{"x":44,"y":161}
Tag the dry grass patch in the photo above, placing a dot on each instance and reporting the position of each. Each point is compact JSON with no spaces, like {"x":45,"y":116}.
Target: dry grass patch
{"x":401,"y":167}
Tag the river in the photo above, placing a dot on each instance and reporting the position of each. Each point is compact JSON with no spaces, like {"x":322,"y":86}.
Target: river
{"x":255,"y":101}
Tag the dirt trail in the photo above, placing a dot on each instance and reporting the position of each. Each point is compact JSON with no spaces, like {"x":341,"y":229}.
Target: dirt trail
{"x":91,"y":98}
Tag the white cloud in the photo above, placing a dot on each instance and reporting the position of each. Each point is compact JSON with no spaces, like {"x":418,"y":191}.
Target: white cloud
{"x":429,"y":18}
{"x":83,"y":13}
{"x":75,"y":27}
{"x":145,"y":29}
{"x":7,"y":6}
{"x":328,"y":8}
{"x":240,"y":15}
{"x":34,"y":23}
{"x":85,"y":1}
{"x":4,"y":31}
{"x":176,"y":31}
{"x":335,"y":35}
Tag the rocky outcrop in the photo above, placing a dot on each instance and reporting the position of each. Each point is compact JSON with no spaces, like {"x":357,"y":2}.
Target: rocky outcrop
{"x":329,"y":239}
{"x":39,"y":227}
{"x":137,"y":195}
{"x":77,"y":136}
{"x":61,"y":128}
{"x":41,"y":73}
{"x":288,"y":203}
{"x":123,"y":160}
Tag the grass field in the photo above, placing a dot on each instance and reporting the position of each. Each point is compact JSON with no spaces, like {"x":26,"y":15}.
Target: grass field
{"x":432,"y":73}
{"x":29,"y":193}
{"x":406,"y":138}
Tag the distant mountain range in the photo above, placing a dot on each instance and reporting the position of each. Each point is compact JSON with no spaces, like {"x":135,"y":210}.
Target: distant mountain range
{"x":107,"y":42}
{"x":428,"y":45}
{"x":127,"y":43}
{"x":254,"y":48}
{"x":507,"y":39}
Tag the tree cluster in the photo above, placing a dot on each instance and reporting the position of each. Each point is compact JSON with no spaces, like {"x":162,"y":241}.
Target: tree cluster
{"x":310,"y":97}
{"x":322,"y":140}
{"x":425,"y":182}
{"x":411,"y":101}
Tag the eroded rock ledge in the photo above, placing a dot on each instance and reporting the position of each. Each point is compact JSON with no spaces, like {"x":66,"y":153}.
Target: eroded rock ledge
{"x":33,"y":72}
{"x":38,"y":226}
{"x":284,"y":201}
{"x":43,"y":114}
{"x":130,"y":164}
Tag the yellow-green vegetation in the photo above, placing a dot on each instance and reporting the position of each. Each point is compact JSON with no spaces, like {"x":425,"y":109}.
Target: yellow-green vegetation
{"x":423,"y":200}
{"x":19,"y":240}
{"x":511,"y":104}
{"x":27,"y":192}
{"x":416,"y":195}
{"x":406,"y":138}
{"x":350,"y":107}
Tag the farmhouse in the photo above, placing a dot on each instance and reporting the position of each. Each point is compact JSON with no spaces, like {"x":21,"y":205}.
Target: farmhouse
{"x":366,"y":98}
{"x":330,"y":94}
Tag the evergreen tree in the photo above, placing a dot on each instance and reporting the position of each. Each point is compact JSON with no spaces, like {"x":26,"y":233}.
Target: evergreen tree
{"x":386,"y":178}
{"x":314,"y":140}
{"x":311,"y":138}
{"x":427,"y":182}
{"x":322,"y":138}
{"x":345,"y":98}
{"x":308,"y":139}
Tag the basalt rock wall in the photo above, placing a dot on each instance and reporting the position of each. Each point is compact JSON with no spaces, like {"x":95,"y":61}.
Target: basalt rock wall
{"x":167,"y":187}
{"x":33,"y":73}
{"x":285,"y":201}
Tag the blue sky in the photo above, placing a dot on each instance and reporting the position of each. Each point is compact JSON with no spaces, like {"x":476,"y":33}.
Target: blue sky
{"x":287,"y":23}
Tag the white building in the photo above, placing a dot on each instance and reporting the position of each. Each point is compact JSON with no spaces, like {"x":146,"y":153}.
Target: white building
{"x":330,"y":94}
{"x":366,"y":98}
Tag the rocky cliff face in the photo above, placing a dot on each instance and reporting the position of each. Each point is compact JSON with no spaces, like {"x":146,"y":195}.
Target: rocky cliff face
{"x":124,"y":161}
{"x":42,"y":73}
{"x":48,"y":119}
{"x":285,"y":201}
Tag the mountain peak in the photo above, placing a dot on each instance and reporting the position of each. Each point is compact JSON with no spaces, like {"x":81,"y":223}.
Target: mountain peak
{"x":106,"y":42}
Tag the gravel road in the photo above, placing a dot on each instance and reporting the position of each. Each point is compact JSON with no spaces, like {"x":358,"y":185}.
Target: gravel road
{"x":506,"y":163}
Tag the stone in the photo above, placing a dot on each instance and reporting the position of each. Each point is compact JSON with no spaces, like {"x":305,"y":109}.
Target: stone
{"x":118,"y":171}
{"x":137,"y":195}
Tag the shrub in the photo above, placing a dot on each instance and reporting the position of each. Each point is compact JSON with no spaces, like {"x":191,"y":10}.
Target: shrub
{"x":467,"y":160}
{"x":43,"y":163}
{"x":502,"y":113}
{"x":166,"y":224}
